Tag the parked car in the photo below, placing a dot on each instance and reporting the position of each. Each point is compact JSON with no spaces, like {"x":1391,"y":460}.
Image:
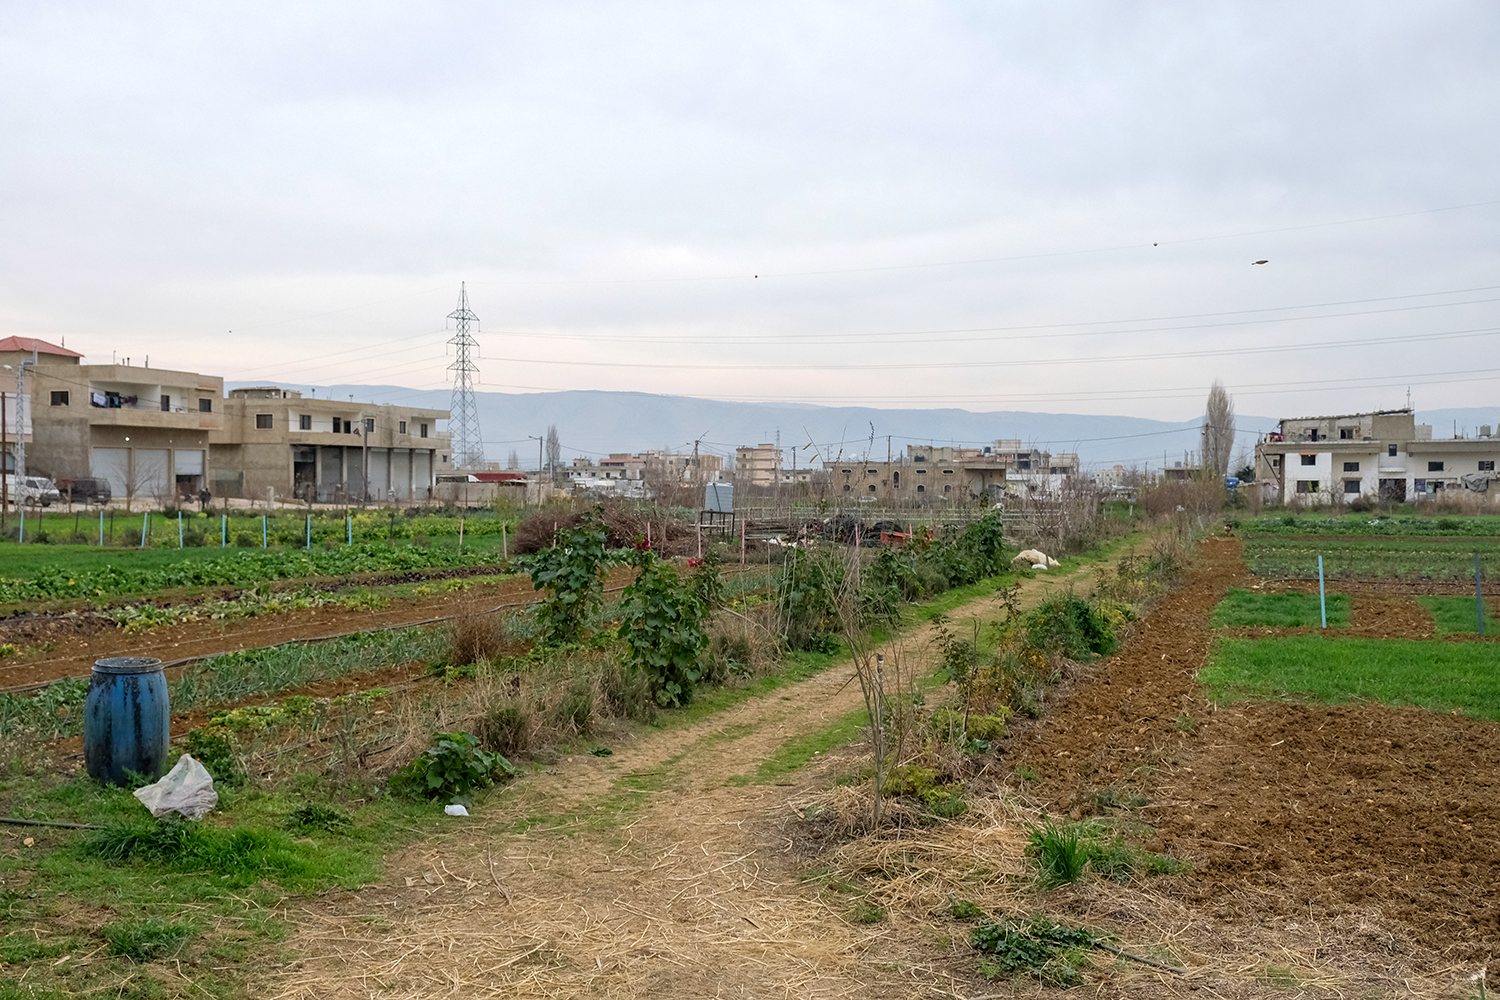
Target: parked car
{"x":85,"y":490}
{"x":32,"y":491}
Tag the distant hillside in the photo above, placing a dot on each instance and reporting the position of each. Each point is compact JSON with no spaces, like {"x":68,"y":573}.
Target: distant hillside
{"x":597,"y":423}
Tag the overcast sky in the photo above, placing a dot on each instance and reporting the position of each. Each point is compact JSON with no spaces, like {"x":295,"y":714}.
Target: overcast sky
{"x":989,"y":205}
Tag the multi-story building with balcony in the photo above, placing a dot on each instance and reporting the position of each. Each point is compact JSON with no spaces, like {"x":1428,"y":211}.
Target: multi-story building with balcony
{"x":145,"y":430}
{"x":1384,"y":454}
{"x":275,"y":440}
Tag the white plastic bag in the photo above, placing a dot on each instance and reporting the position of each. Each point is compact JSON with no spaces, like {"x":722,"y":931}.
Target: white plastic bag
{"x":455,"y":810}
{"x":188,"y":789}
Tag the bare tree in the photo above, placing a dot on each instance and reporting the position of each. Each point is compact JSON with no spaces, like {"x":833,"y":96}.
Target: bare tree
{"x":554,"y":450}
{"x":514,"y":461}
{"x":1218,"y":430}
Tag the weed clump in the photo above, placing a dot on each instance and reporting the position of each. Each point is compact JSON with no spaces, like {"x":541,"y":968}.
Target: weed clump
{"x":1063,"y":851}
{"x":144,"y":939}
{"x":313,"y":815}
{"x":453,"y":766}
{"x":1051,"y":952}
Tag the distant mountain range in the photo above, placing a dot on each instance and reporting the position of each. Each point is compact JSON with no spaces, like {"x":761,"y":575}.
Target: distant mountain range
{"x":597,"y":423}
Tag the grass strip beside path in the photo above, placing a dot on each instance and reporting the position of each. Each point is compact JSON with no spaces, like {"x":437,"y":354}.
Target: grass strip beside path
{"x":1439,"y":676}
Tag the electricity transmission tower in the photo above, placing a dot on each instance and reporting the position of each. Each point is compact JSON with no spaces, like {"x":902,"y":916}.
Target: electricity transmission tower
{"x":468,"y":442}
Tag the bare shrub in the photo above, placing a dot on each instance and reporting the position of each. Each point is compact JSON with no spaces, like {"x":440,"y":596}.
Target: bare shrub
{"x":476,"y":636}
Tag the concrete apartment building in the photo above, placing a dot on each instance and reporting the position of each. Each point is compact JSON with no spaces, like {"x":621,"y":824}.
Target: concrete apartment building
{"x":1384,"y":453}
{"x":148,"y":431}
{"x":918,"y":477}
{"x":758,"y":465}
{"x":653,"y":465}
{"x":16,"y":352}
{"x":326,"y":450}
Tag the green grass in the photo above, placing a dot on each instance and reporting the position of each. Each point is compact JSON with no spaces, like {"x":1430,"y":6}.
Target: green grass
{"x":1248,"y":607}
{"x":1374,"y":525}
{"x":1440,"y":676}
{"x":1457,"y":615}
{"x":797,"y":751}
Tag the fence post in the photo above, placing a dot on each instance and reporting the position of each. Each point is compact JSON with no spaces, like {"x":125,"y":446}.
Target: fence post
{"x":101,"y":527}
{"x":263,"y":538}
{"x":351,"y":529}
{"x":1322,"y":597}
{"x":179,"y":529}
{"x":504,"y":546}
{"x":223,"y":531}
{"x":1479,"y":594}
{"x":145,"y":521}
{"x":309,"y":532}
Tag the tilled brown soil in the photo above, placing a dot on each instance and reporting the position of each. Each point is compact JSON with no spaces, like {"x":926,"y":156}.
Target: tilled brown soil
{"x":1286,"y":811}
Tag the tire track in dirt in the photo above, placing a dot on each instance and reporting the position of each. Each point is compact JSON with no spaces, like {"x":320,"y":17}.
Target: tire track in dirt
{"x":639,"y":874}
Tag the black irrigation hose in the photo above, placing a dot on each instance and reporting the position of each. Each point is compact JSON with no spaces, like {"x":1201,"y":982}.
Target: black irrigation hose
{"x":13,"y":821}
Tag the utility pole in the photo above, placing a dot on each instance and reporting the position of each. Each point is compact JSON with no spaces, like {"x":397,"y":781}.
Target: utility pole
{"x":468,"y":442}
{"x":364,"y":433}
{"x":4,"y":472}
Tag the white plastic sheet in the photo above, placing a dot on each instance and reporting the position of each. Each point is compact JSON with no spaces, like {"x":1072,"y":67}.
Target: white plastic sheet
{"x":187,"y":789}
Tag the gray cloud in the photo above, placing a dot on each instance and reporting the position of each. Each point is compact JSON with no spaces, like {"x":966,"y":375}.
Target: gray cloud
{"x":319,"y":178}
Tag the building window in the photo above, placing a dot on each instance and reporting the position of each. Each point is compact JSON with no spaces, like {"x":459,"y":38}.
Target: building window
{"x":1346,"y":433}
{"x":421,"y":430}
{"x":1487,"y":466}
{"x":947,"y":489}
{"x":445,"y":458}
{"x":369,"y":425}
{"x":205,"y":405}
{"x":872,"y":487}
{"x":166,"y":404}
{"x":1307,"y":486}
{"x":348,"y":427}
{"x":1351,"y":486}
{"x":1276,"y":461}
{"x":1391,"y":451}
{"x":1023,"y":464}
{"x":896,"y":480}
{"x":921,"y":472}
{"x":847,"y":487}
{"x":1351,"y":466}
{"x":304,"y":422}
{"x":1434,"y":466}
{"x":847,"y":472}
{"x":921,"y":488}
{"x":403,"y":427}
{"x":59,"y":397}
{"x":947,"y":472}
{"x":337,"y":423}
{"x":262,"y":421}
{"x":872,"y":472}
{"x":1309,"y":459}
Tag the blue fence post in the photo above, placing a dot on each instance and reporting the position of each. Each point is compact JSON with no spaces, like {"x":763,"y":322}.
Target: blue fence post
{"x":350,"y":521}
{"x":179,"y":529}
{"x":263,"y":531}
{"x":145,"y":522}
{"x":21,"y":538}
{"x":309,"y":532}
{"x":101,"y":527}
{"x":223,"y":531}
{"x":1322,"y":597}
{"x":1479,"y":594}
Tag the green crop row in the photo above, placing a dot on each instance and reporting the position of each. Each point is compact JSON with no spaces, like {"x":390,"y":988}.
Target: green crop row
{"x":1376,"y":526}
{"x":1298,"y":560}
{"x":239,"y":568}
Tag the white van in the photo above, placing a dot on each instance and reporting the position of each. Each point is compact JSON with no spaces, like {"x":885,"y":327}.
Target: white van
{"x":33,"y":491}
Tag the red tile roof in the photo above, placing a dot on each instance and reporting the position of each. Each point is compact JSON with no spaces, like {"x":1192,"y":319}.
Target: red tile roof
{"x":32,"y":344}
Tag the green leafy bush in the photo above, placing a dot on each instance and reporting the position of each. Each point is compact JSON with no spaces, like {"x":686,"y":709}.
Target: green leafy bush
{"x":1050,"y":951}
{"x":1070,"y":626}
{"x":455,"y":765}
{"x":572,"y":571}
{"x":663,"y":629}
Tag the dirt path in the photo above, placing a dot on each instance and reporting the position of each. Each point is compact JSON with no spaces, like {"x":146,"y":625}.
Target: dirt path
{"x":642,"y":874}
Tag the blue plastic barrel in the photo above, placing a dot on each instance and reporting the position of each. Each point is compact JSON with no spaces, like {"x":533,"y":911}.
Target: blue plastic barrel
{"x":127,"y":720}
